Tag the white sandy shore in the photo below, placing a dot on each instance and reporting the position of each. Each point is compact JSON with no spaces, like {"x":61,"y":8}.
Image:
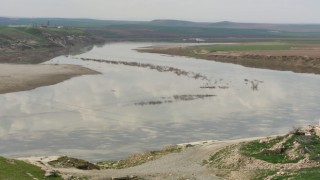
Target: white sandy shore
{"x":15,"y":77}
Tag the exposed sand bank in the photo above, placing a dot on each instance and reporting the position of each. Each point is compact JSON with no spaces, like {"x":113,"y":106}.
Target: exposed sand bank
{"x":15,"y":77}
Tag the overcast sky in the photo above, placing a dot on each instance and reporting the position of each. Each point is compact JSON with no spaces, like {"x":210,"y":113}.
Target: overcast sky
{"x":273,"y":11}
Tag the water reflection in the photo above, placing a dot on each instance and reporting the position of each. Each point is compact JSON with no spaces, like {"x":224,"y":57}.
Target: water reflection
{"x":95,"y":117}
{"x":175,"y":98}
{"x":178,"y":72}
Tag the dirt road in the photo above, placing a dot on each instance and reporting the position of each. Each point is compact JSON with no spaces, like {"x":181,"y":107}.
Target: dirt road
{"x":184,"y":165}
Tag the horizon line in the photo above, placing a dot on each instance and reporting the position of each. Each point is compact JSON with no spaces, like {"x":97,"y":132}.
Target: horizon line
{"x":162,"y":19}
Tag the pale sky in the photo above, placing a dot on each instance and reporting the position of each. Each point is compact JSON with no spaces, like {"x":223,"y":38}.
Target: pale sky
{"x":260,"y":11}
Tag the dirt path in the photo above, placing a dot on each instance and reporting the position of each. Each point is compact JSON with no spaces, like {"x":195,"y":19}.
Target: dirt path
{"x":183,"y":165}
{"x":15,"y":77}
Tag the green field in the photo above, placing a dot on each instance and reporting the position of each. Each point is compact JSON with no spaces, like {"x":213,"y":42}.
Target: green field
{"x":247,"y":47}
{"x":305,"y":173}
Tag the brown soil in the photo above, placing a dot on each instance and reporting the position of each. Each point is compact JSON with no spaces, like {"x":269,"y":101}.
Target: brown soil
{"x":38,"y":55}
{"x":305,"y":59}
{"x":15,"y":78}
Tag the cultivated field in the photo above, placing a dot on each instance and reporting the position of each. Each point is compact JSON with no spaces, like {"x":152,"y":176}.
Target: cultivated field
{"x":297,"y":56}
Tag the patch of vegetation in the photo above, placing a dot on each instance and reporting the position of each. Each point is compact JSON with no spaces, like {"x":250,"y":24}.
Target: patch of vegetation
{"x":35,"y":34}
{"x":217,"y":161}
{"x":139,"y":159}
{"x":33,"y":31}
{"x":305,"y":173}
{"x":255,"y":149}
{"x":245,"y":47}
{"x":36,"y":45}
{"x":14,"y":169}
{"x":302,"y":41}
{"x":217,"y":158}
{"x":56,"y":31}
{"x":310,"y":145}
{"x":8,"y":34}
{"x":68,"y":162}
{"x":263,"y":173}
{"x":289,"y":149}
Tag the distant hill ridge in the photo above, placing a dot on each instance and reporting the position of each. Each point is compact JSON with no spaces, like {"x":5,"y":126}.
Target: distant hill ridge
{"x":94,"y":23}
{"x":236,"y":25}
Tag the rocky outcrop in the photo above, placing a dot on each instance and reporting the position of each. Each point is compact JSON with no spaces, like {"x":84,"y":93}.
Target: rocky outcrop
{"x":68,"y":162}
{"x":311,"y":130}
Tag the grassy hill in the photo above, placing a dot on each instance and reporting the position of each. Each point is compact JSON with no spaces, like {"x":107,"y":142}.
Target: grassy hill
{"x":8,"y":34}
{"x":76,"y":23}
{"x":292,"y":156}
{"x":14,"y":169}
{"x":34,"y":45}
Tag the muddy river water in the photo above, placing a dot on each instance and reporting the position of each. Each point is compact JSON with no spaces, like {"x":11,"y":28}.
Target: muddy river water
{"x":145,"y":101}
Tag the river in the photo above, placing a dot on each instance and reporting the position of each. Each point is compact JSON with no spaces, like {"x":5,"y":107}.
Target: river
{"x":144,"y":101}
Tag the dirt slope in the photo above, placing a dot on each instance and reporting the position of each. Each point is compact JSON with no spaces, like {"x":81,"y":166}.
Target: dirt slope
{"x":184,"y":165}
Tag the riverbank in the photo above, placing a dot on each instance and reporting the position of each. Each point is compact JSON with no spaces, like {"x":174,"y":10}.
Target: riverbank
{"x":185,"y":164}
{"x":14,"y":77}
{"x":294,"y":155}
{"x":296,"y":57}
{"x":37,"y":45}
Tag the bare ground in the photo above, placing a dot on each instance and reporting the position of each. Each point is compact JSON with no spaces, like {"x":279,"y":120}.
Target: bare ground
{"x":15,"y":77}
{"x":184,"y":165}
